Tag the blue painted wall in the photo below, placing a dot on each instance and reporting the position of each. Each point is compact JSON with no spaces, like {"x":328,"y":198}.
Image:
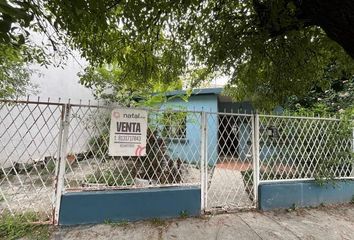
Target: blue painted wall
{"x":190,"y":150}
{"x":304,"y":194}
{"x":128,"y":205}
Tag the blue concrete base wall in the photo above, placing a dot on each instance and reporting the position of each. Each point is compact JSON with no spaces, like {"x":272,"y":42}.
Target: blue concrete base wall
{"x":128,"y":205}
{"x":303,"y":194}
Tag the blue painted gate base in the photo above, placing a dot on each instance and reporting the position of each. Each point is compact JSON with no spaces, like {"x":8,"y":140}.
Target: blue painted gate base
{"x":304,"y":194}
{"x":128,"y":205}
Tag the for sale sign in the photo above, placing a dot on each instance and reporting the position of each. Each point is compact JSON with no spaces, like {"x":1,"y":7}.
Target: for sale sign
{"x":128,"y":132}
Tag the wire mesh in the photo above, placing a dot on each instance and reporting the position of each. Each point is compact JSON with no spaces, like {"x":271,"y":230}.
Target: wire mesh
{"x":35,"y":136}
{"x":304,"y":148}
{"x":173,"y":156}
{"x":29,"y":135}
{"x":230,"y":161}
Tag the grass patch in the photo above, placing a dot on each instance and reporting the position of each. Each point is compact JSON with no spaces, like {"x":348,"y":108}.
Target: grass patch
{"x":19,"y":226}
{"x":247,"y":177}
{"x":111,"y":178}
{"x":121,"y":223}
{"x":158,"y":222}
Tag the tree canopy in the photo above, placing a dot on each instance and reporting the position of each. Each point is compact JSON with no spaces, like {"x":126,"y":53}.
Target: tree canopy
{"x":271,"y":49}
{"x":14,"y":73}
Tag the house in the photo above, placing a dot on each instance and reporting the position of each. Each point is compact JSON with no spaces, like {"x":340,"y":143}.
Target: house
{"x":228,"y":136}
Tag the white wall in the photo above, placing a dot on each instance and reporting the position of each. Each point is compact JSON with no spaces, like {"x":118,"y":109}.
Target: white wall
{"x":62,"y":82}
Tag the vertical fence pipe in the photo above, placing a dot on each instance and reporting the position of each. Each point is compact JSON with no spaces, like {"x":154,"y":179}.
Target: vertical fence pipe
{"x":206,"y":160}
{"x":60,"y":138}
{"x":202,"y":160}
{"x":256,"y":153}
{"x":61,"y":163}
{"x":352,"y":172}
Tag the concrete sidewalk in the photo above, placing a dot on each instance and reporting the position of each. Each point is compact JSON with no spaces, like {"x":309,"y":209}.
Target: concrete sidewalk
{"x":335,"y":222}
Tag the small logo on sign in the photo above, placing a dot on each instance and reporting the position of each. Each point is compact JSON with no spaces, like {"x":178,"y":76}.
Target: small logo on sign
{"x":139,"y":150}
{"x":116,"y":115}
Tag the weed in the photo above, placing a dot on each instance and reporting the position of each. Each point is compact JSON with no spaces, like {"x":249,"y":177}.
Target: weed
{"x":183,"y":214}
{"x":19,"y":226}
{"x":111,"y":178}
{"x":121,"y":223}
{"x":322,"y":204}
{"x":51,"y":166}
{"x":292,"y":208}
{"x":352,"y":201}
{"x":108,"y":221}
{"x":157,"y":222}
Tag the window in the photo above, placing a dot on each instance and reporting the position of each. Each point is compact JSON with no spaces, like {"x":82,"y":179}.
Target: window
{"x":174,"y":125}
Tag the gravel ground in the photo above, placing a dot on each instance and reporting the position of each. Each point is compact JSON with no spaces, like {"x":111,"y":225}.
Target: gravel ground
{"x":227,"y":190}
{"x":34,"y":192}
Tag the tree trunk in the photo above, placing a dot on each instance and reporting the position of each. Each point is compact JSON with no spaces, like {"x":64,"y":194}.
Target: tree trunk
{"x":336,"y":18}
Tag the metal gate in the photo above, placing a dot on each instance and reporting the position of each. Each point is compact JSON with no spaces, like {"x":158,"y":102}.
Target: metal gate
{"x":30,"y":140}
{"x":230,"y":175}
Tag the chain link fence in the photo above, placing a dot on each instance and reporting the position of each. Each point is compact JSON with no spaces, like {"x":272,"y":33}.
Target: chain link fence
{"x":49,"y":148}
{"x":298,"y":148}
{"x":230,"y":147}
{"x":172,"y":153}
{"x":29,"y":143}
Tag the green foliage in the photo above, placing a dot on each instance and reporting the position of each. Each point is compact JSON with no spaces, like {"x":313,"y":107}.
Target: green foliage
{"x":327,"y":163}
{"x":158,"y":222}
{"x":126,"y":85}
{"x":20,"y":226}
{"x":116,"y":223}
{"x":184,"y":214}
{"x":111,"y":177}
{"x":173,"y":124}
{"x":14,"y":14}
{"x":268,"y":53}
{"x":98,"y":145}
{"x":294,"y":207}
{"x":335,"y":99}
{"x":50,"y":166}
{"x":14,"y":73}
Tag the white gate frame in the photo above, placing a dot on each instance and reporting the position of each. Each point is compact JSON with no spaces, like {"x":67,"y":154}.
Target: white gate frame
{"x":203,"y":162}
{"x":255,"y":156}
{"x":204,"y":157}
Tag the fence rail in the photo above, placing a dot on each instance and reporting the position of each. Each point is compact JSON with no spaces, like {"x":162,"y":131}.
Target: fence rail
{"x":49,"y":148}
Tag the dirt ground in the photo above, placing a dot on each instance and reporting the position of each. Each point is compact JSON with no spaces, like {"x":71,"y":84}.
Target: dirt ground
{"x":330,"y":222}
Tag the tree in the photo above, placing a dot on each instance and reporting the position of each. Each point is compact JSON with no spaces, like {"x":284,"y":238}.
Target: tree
{"x":14,"y":74}
{"x":338,"y":98}
{"x":271,"y":49}
{"x":120,"y":85}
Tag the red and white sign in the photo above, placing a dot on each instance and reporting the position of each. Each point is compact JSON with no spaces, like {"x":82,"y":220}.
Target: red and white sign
{"x":128,"y":132}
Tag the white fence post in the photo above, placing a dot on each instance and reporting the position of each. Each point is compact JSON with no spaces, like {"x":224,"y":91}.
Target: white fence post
{"x":256,"y":153}
{"x":203,"y":169}
{"x":60,"y":168}
{"x":352,"y":172}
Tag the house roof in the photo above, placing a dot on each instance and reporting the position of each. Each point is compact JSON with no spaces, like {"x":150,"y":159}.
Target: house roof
{"x":200,"y":91}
